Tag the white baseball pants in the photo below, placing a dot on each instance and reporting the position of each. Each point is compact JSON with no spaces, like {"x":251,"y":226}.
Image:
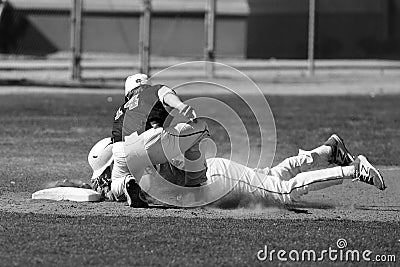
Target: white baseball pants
{"x":285,"y":183}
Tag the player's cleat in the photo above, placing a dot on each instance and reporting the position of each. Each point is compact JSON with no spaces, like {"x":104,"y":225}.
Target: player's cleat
{"x":340,"y":154}
{"x":365,"y":172}
{"x":133,"y":192}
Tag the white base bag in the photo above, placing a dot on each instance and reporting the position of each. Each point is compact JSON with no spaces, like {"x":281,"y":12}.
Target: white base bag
{"x":68,"y":193}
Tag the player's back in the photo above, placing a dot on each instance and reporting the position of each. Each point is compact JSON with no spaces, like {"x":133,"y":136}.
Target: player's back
{"x":142,"y":105}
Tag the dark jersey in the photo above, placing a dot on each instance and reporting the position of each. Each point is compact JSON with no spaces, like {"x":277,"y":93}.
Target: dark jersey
{"x":141,"y":107}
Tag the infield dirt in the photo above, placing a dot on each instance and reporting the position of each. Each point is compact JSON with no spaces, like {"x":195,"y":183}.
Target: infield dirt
{"x":46,"y":137}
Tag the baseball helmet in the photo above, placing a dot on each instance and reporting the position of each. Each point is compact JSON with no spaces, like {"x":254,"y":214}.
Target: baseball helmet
{"x":100,"y":156}
{"x":134,"y":81}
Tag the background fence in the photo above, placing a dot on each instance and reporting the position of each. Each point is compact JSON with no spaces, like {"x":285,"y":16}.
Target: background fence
{"x":48,"y":33}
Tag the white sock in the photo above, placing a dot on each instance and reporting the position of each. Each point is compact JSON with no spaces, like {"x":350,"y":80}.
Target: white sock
{"x":348,"y":172}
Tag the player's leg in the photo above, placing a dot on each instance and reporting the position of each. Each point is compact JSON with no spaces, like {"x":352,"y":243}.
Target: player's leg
{"x":123,"y":184}
{"x":291,"y":191}
{"x":180,"y":140}
{"x":119,"y":172}
{"x":160,"y":146}
{"x":242,"y":181}
{"x":292,"y":166}
{"x":332,"y":151}
{"x":233,"y":181}
{"x":237,"y":183}
{"x":256,"y":186}
{"x":245,"y":184}
{"x":195,"y":166}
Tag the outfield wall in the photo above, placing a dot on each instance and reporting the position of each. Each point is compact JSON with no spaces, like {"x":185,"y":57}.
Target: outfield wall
{"x":344,"y":29}
{"x":43,"y":26}
{"x":245,"y":28}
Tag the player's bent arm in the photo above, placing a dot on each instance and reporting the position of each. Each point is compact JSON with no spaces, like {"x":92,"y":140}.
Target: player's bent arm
{"x":163,"y":91}
{"x":169,"y":98}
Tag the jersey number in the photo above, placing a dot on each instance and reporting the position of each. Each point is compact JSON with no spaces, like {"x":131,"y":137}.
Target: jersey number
{"x":118,"y":114}
{"x":132,"y":103}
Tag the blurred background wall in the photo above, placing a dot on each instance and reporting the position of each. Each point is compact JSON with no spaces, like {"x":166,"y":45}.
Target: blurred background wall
{"x":245,"y":28}
{"x":43,"y":26}
{"x":344,"y":29}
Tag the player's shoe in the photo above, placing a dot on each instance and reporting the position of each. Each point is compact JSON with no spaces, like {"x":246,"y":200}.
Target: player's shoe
{"x":365,"y":172}
{"x":132,"y":193}
{"x":340,"y":154}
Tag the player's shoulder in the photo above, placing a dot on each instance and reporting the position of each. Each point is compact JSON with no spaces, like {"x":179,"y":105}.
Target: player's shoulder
{"x":155,"y":86}
{"x":151,"y":89}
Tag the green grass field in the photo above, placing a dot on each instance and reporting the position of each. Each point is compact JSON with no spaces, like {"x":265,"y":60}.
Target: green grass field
{"x":46,"y":137}
{"x":103,"y":241}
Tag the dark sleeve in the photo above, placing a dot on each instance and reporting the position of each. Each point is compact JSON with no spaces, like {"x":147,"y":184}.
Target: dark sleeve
{"x":116,"y":133}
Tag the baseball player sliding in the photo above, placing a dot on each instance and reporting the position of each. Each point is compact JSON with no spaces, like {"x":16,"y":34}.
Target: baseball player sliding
{"x":284,"y":183}
{"x":140,"y":124}
{"x":142,"y":138}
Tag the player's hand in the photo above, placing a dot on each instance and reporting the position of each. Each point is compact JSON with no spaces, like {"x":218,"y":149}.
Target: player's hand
{"x":188,"y":112}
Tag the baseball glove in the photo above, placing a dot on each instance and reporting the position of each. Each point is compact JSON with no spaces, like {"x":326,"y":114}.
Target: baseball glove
{"x":102,"y":184}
